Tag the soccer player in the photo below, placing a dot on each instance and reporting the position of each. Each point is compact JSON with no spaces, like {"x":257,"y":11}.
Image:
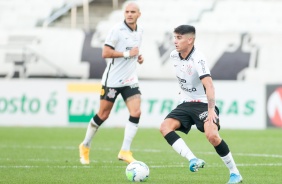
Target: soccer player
{"x":120,"y":77}
{"x":197,"y":103}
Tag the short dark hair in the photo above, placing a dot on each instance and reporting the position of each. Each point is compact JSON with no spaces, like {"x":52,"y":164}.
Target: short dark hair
{"x":184,"y":29}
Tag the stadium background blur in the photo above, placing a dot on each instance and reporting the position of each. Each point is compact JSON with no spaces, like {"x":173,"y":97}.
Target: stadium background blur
{"x":50,"y":70}
{"x":51,"y":64}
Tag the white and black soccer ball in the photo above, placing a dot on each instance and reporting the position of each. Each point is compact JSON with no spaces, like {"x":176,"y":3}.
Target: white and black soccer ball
{"x":137,"y":171}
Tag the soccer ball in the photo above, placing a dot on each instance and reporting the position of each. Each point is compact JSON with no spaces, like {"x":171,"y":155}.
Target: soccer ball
{"x":137,"y":171}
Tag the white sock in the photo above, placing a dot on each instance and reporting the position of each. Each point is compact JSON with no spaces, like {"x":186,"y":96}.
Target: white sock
{"x":181,"y":147}
{"x":230,"y":164}
{"x":129,"y":133}
{"x":91,"y":130}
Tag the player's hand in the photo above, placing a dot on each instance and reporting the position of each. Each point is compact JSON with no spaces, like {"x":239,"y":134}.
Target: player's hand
{"x":134,"y":52}
{"x":212,"y":117}
{"x":140,"y":59}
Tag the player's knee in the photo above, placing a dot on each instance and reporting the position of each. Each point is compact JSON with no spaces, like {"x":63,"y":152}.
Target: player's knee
{"x":164,"y":128}
{"x":136,"y":113}
{"x":213,"y":138}
{"x":104,"y":115}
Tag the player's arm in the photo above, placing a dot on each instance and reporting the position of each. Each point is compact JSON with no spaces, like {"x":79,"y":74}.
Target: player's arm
{"x":109,"y":52}
{"x":210,"y":92}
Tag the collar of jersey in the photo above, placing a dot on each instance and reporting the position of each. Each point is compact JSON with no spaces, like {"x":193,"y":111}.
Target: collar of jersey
{"x":130,"y":27}
{"x":188,"y":56}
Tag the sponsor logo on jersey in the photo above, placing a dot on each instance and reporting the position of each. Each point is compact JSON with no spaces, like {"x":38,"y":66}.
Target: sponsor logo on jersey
{"x":127,"y":80}
{"x":181,"y":80}
{"x":174,"y":56}
{"x":190,"y":90}
{"x":134,"y":86}
{"x":202,"y":62}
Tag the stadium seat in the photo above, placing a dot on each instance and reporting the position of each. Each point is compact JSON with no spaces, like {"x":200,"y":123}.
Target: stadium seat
{"x":25,"y":13}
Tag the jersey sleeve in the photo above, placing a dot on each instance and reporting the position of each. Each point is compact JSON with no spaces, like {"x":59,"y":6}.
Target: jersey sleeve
{"x":174,"y":55}
{"x":112,"y":38}
{"x":202,"y":67}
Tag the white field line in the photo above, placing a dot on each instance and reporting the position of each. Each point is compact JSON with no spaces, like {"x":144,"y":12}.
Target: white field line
{"x":247,"y":154}
{"x":139,"y":150}
{"x":151,"y":166}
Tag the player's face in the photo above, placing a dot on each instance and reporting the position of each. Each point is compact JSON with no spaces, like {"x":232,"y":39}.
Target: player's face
{"x":131,"y":14}
{"x":182,"y":42}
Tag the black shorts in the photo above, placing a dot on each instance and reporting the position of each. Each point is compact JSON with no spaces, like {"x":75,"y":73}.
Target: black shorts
{"x":110,"y":94}
{"x":191,"y":113}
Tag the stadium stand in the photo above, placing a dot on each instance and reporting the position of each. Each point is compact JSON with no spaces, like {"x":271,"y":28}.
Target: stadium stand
{"x":241,"y":15}
{"x":25,"y":13}
{"x":234,"y":29}
{"x":26,"y":50}
{"x":99,"y":10}
{"x":259,"y":18}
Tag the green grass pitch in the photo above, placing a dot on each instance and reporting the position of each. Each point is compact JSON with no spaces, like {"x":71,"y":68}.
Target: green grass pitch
{"x":50,"y":155}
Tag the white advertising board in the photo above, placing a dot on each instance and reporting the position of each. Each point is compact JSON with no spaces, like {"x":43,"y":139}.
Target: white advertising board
{"x":241,"y":104}
{"x":74,"y":102}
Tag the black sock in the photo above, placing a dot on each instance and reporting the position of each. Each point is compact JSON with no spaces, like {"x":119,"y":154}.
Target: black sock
{"x":222,"y":149}
{"x":97,"y":120}
{"x":171,"y":137}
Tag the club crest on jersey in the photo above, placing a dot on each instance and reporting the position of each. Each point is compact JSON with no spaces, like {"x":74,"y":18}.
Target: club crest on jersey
{"x":112,"y":93}
{"x":189,"y":70}
{"x":186,"y":69}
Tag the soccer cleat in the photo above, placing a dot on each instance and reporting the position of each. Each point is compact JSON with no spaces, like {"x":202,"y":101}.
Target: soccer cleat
{"x":235,"y":178}
{"x":126,"y":156}
{"x":195,"y":164}
{"x":84,"y":154}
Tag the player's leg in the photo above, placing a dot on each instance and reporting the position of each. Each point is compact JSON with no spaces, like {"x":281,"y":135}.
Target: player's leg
{"x":168,"y":128}
{"x":106,"y":105}
{"x":94,"y":124}
{"x":132,"y":98}
{"x":211,"y":132}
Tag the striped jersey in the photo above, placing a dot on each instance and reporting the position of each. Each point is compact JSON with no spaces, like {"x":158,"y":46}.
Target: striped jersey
{"x":121,"y":71}
{"x":189,"y":72}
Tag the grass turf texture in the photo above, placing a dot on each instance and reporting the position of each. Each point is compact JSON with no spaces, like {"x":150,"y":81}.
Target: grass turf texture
{"x":50,"y":155}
